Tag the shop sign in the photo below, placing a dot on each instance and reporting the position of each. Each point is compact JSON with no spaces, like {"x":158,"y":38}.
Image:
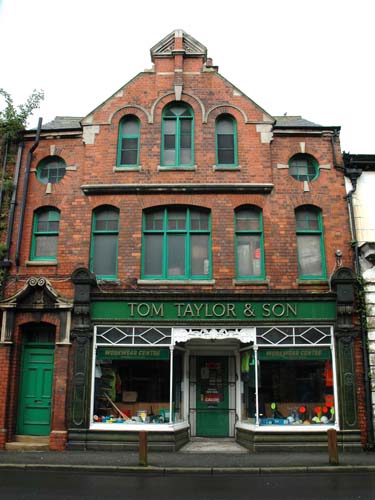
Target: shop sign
{"x":132,"y":353}
{"x":209,"y":311}
{"x":320,"y":354}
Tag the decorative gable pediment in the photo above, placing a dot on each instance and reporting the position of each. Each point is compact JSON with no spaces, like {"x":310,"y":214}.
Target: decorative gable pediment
{"x":167,"y":46}
{"x":38,"y":293}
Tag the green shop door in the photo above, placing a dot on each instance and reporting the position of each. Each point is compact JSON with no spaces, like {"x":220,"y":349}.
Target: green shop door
{"x":212,"y":397}
{"x":34,"y":411}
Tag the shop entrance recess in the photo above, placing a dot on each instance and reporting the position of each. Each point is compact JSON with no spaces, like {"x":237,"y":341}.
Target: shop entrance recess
{"x":34,"y":411}
{"x":212,"y":396}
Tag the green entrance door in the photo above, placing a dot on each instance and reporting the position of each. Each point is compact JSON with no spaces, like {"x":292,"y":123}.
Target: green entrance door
{"x":212,"y":397}
{"x":34,"y":411}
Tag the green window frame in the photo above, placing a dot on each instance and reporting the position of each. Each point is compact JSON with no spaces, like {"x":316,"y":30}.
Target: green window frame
{"x":45,"y":234}
{"x":226,"y":141}
{"x":249,"y":243}
{"x":51,"y":169}
{"x":128,"y":142}
{"x":310,"y":243}
{"x":176,"y":244}
{"x":303,"y":167}
{"x":177,"y":135}
{"x":104,"y":242}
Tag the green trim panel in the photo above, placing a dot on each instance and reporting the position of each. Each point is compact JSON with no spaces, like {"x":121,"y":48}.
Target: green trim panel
{"x":223,"y":311}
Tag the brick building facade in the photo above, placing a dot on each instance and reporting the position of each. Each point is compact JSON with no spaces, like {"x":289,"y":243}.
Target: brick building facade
{"x":181,"y":264}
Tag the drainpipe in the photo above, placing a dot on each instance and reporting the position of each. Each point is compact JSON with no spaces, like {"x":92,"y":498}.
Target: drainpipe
{"x":24,"y":193}
{"x":354,"y":174}
{"x":5,"y":157}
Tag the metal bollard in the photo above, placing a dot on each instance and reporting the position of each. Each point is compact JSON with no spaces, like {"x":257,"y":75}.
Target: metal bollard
{"x":143,"y":448}
{"x":332,"y":447}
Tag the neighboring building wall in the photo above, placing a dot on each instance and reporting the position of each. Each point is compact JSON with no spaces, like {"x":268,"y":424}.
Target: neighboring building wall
{"x":363,"y":203}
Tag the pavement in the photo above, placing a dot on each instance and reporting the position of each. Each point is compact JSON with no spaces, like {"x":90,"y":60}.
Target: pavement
{"x":231,"y":459}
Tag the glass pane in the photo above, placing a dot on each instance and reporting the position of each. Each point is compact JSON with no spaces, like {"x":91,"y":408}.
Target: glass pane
{"x":169,"y":157}
{"x":51,"y":169}
{"x":130,"y":143}
{"x":297,"y":391}
{"x":225,"y":141}
{"x":185,"y":126}
{"x":200,"y":265}
{"x":129,"y":157}
{"x":225,"y":157}
{"x":176,"y":219}
{"x":198,"y":220}
{"x":247,"y":220}
{"x":224,"y":126}
{"x":105,"y":254}
{"x":185,"y":142}
{"x":153,"y":255}
{"x":169,"y":127}
{"x":307,"y":220}
{"x":309,"y":255}
{"x":176,"y":255}
{"x":53,"y":226}
{"x":185,"y":156}
{"x":154,"y":220}
{"x":45,"y":246}
{"x":130,"y":126}
{"x":169,"y":142}
{"x":249,"y":255}
{"x":106,"y":220}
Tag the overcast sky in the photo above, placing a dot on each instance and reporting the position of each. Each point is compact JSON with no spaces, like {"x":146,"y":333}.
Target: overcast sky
{"x":311,"y":58}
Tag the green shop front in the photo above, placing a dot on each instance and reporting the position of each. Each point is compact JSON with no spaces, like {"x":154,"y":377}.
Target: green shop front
{"x":271,"y":374}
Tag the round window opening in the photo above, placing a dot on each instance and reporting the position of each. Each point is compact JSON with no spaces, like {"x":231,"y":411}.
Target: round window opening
{"x":303,"y":167}
{"x":51,"y":169}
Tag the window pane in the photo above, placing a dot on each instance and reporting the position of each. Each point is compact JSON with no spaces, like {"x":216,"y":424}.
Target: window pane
{"x":249,"y":255}
{"x":176,"y":255}
{"x":131,"y":143}
{"x":45,"y":246}
{"x":154,"y":220}
{"x":225,"y":141}
{"x":198,"y":220}
{"x":176,"y":219}
{"x":185,"y":126}
{"x":309,"y":255}
{"x":307,"y":220}
{"x":106,"y":220}
{"x":153,"y":254}
{"x":199,"y":255}
{"x":130,"y":126}
{"x":247,"y":220}
{"x":225,"y":157}
{"x":224,"y":126}
{"x":185,"y":156}
{"x":170,"y":127}
{"x":129,"y":157}
{"x":105,"y":254}
{"x":169,"y":157}
{"x":185,"y":142}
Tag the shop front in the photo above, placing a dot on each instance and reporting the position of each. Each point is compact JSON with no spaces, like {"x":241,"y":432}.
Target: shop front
{"x":214,"y":369}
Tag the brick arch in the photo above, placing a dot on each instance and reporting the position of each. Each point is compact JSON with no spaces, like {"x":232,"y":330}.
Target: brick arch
{"x":27,"y":318}
{"x":130,"y":109}
{"x":185,"y":204}
{"x":228,"y":109}
{"x":169,"y":97}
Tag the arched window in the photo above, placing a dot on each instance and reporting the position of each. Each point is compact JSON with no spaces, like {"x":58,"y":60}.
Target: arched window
{"x":177,"y":135}
{"x":303,"y":167}
{"x":310,"y":245}
{"x":51,"y":169}
{"x":176,"y":243}
{"x":45,"y":234}
{"x":226,"y":141}
{"x":128,"y":142}
{"x":249,"y":243}
{"x":104,"y":242}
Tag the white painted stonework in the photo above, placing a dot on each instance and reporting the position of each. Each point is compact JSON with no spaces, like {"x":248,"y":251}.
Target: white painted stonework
{"x":364,"y":213}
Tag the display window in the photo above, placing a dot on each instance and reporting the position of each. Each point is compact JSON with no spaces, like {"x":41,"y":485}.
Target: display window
{"x":289,"y":386}
{"x":136,"y":384}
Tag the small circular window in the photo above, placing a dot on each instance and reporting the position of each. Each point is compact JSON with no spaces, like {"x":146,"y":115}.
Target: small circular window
{"x":303,"y":167}
{"x":51,"y":169}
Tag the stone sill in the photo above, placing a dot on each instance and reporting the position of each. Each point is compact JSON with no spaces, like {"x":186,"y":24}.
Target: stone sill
{"x":317,"y":282}
{"x":176,"y":282}
{"x":40,"y":263}
{"x":226,"y":168}
{"x":137,"y":168}
{"x":177,"y":168}
{"x":251,"y":282}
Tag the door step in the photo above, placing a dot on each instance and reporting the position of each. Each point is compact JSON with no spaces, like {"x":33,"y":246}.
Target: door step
{"x":28,"y":443}
{"x":213,"y":445}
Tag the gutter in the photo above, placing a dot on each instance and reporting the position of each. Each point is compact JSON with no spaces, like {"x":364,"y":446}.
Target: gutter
{"x":24,"y":193}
